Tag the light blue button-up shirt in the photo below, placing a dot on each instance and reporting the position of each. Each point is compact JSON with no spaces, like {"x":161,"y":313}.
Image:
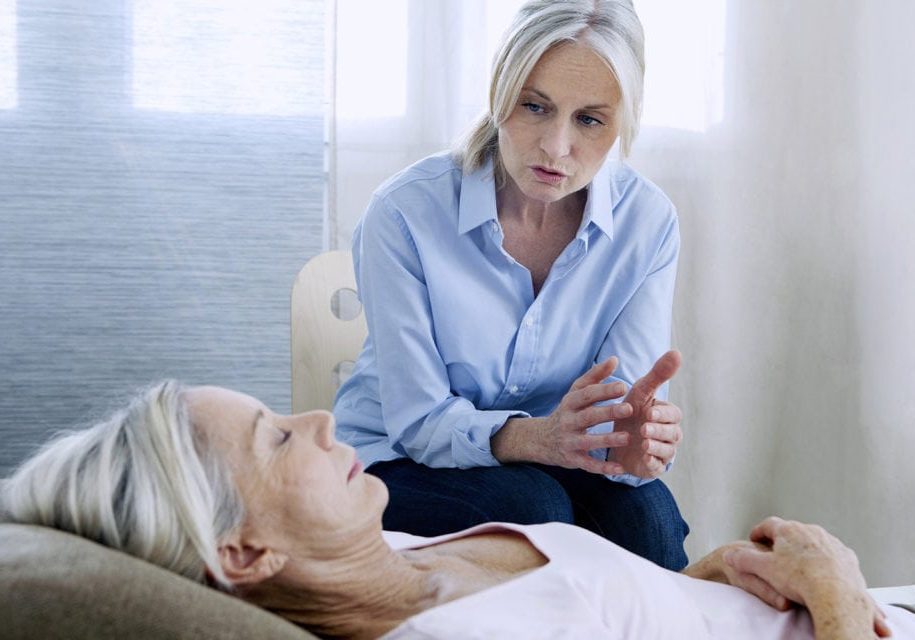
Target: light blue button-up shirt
{"x":457,"y":341}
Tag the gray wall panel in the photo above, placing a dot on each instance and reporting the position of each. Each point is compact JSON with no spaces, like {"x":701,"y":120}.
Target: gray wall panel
{"x":139,"y":244}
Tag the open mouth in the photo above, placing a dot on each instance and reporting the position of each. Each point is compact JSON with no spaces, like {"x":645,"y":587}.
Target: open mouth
{"x":548,"y":175}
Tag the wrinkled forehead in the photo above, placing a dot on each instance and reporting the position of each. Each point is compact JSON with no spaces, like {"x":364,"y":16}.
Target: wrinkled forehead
{"x":576,"y":62}
{"x":221,"y":412}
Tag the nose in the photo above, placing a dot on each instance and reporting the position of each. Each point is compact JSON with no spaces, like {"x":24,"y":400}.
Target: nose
{"x":556,"y":140}
{"x":321,"y":424}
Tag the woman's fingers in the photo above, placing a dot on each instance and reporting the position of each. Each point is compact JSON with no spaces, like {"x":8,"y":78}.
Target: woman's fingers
{"x":594,"y":393}
{"x":653,"y":466}
{"x":587,"y":463}
{"x":766,"y":530}
{"x":749,"y":561}
{"x":665,"y":412}
{"x":881,"y":628}
{"x":669,"y":433}
{"x":591,"y":441}
{"x":665,"y":452}
{"x":762,"y":590}
{"x":595,"y":374}
{"x":584,"y":418}
{"x":575,"y":452}
{"x":608,"y":440}
{"x":643,"y":390}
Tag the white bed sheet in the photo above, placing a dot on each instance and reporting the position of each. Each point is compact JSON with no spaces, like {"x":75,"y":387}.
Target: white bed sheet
{"x":894,"y":595}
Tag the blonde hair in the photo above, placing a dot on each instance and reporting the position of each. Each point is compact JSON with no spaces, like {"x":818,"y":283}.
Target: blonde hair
{"x":143,"y":482}
{"x":610,"y":28}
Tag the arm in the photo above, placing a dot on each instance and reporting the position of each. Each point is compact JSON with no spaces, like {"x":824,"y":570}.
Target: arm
{"x":423,"y":418}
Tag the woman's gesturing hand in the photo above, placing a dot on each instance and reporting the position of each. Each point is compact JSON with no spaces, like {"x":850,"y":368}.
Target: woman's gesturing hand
{"x":561,"y":439}
{"x":653,"y":426}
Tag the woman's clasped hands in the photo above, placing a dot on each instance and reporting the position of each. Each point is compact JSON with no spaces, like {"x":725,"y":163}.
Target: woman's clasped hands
{"x":787,"y":561}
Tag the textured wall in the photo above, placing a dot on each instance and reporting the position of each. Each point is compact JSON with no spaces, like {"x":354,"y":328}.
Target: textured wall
{"x":137,"y":244}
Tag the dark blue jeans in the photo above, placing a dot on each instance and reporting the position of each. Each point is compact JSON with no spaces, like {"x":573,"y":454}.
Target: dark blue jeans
{"x":430,"y":502}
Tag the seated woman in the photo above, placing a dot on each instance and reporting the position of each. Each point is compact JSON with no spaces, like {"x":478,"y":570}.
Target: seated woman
{"x":502,"y":281}
{"x":211,"y":484}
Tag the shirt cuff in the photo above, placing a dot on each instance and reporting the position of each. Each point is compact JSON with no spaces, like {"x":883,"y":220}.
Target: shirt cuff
{"x":471,"y":448}
{"x":635,"y":481}
{"x":631,"y":480}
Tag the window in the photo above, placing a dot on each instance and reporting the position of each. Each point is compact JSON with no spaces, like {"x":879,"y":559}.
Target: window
{"x":372,"y":63}
{"x":684,"y":59}
{"x":223,"y":56}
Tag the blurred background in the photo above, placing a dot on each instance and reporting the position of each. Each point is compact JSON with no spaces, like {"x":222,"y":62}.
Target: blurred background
{"x":166,"y":166}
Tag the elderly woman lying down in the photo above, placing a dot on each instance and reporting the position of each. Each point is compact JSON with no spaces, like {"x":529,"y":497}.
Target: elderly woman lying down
{"x":211,"y":484}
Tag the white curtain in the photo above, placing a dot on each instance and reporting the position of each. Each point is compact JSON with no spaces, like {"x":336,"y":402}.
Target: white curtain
{"x":783,"y":132}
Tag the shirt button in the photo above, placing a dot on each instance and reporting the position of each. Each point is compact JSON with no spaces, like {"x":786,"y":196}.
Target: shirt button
{"x":528,"y":322}
{"x":513,"y":388}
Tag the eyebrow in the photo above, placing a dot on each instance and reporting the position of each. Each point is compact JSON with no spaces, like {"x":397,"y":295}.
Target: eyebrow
{"x":548,"y":99}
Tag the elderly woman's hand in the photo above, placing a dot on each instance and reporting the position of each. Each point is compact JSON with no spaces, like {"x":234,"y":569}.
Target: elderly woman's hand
{"x":806,"y":564}
{"x":654,"y":426}
{"x":713,"y":567}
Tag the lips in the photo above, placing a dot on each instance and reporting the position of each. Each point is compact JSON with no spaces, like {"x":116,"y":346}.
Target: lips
{"x":549,"y":176}
{"x":355,"y":470}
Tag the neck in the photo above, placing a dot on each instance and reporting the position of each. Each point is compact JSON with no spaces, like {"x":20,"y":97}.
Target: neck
{"x":362,"y":594}
{"x":513,"y":206}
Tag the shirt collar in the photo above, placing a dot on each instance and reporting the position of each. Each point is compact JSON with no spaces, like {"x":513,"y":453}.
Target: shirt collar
{"x":601,"y":197}
{"x":478,"y":199}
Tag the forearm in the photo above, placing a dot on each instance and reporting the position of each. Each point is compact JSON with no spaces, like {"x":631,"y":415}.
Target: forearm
{"x":518,"y":441}
{"x":840,"y":612}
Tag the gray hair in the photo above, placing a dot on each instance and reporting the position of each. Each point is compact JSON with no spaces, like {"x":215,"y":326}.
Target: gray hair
{"x":610,"y":28}
{"x":143,"y":481}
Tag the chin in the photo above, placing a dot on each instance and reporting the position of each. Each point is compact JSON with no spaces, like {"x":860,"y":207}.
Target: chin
{"x":376,"y":481}
{"x":378,"y":489}
{"x":545,"y":193}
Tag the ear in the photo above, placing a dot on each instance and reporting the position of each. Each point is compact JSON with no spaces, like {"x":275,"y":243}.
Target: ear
{"x":244,"y":564}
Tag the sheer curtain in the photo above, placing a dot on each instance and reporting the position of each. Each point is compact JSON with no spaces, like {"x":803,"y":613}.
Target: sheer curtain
{"x":161,"y":182}
{"x":781,"y":131}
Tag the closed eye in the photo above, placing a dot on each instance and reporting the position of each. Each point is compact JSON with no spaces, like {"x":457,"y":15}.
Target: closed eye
{"x":286,"y":436}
